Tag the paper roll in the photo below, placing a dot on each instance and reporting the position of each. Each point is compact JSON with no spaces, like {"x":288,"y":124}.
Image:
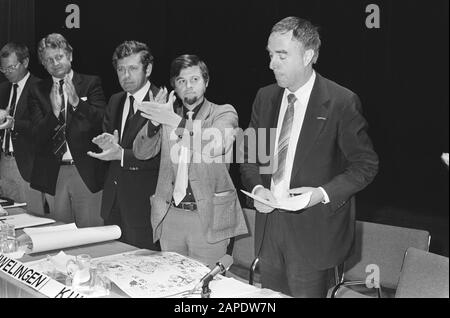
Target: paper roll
{"x":69,"y":235}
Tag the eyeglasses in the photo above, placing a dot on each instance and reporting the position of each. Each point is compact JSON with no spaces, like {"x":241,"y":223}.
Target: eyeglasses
{"x":54,"y":60}
{"x":10,"y":68}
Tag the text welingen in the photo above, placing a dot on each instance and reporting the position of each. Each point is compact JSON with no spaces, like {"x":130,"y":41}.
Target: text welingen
{"x":39,"y":282}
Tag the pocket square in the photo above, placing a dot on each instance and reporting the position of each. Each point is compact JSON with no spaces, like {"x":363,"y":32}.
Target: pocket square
{"x":321,"y":118}
{"x":83,"y":99}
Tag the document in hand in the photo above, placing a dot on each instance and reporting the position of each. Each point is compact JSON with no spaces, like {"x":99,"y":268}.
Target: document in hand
{"x":289,"y":204}
{"x":68,"y":235}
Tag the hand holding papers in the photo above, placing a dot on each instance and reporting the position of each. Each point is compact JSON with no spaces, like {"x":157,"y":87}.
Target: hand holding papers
{"x":289,"y":204}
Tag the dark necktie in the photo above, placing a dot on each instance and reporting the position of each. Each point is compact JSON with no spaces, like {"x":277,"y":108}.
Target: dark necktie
{"x":12,"y":108}
{"x":283,"y":139}
{"x":59,"y":138}
{"x":130,"y":114}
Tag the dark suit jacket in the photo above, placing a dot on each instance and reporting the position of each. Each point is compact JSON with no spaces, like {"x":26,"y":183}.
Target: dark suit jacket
{"x":82,"y":125}
{"x":21,"y":135}
{"x":333,"y":151}
{"x":134,"y":183}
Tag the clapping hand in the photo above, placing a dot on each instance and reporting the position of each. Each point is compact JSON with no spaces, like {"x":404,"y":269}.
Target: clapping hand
{"x":109,"y":144}
{"x":8,"y":122}
{"x":159,"y":112}
{"x":55,"y":99}
{"x":72,"y":95}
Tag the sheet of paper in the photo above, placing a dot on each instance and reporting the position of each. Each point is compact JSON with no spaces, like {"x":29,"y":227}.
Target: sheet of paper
{"x":147,"y":274}
{"x":69,"y":235}
{"x":227,"y":287}
{"x":294,"y":203}
{"x":25,"y":220}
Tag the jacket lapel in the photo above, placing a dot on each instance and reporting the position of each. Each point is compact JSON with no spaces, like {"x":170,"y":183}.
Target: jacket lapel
{"x":271,"y":122}
{"x":136,"y":122}
{"x":312,"y":126}
{"x":5,"y":93}
{"x":22,"y":102}
{"x":77,"y":82}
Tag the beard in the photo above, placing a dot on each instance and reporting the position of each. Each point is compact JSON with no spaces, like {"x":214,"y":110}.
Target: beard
{"x":190,"y":100}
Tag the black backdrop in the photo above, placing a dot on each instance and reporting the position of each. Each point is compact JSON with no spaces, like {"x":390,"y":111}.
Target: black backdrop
{"x":400,"y":72}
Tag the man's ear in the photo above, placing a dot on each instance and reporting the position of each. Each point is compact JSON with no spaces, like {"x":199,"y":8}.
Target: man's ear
{"x":308,"y":56}
{"x":148,"y":71}
{"x":25,"y":62}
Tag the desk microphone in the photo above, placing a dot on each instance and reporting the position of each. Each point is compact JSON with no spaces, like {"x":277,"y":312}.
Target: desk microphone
{"x":221,"y":266}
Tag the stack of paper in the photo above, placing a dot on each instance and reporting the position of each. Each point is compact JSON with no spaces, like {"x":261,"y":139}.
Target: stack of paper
{"x":25,"y":220}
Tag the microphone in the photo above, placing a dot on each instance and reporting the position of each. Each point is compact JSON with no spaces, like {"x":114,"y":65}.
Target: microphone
{"x":221,"y":266}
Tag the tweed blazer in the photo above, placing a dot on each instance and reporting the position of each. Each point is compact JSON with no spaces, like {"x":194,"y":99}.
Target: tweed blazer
{"x":220,"y":213}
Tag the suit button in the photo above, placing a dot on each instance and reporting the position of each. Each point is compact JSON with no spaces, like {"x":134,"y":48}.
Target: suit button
{"x":168,"y":202}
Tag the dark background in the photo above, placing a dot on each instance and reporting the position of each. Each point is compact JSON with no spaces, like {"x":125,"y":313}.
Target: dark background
{"x":400,"y":72}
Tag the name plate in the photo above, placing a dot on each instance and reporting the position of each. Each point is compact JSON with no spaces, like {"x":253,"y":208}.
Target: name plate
{"x":36,"y":280}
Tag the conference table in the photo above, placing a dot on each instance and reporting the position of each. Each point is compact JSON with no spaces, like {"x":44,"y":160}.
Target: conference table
{"x":12,"y":288}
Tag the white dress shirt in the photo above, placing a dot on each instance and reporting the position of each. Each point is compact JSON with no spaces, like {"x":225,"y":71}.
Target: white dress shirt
{"x":20,"y":86}
{"x":138,"y":98}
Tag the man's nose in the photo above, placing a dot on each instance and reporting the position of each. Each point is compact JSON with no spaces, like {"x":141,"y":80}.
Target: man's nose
{"x":273,"y":64}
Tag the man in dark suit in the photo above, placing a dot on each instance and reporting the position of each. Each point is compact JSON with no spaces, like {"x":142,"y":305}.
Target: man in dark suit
{"x":130,"y":182}
{"x":321,"y":146}
{"x":17,"y":154}
{"x":67,"y":112}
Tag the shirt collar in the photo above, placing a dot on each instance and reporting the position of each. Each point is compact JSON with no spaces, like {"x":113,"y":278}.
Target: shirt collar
{"x":140,"y":94}
{"x":56,"y":80}
{"x":22,"y":82}
{"x":304,"y":91}
{"x":195,"y":110}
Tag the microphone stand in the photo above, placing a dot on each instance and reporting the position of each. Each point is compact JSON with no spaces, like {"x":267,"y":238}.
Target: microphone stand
{"x":206,"y":291}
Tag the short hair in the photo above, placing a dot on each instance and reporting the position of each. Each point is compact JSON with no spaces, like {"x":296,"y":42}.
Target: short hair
{"x":185,"y":61}
{"x":53,"y":41}
{"x":303,"y":31}
{"x":128,"y":48}
{"x":20,"y":49}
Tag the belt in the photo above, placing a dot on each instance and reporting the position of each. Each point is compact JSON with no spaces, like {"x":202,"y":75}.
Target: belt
{"x":191,"y":206}
{"x":67,"y":162}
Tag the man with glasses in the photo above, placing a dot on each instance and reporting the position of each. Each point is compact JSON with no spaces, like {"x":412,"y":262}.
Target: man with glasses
{"x":130,"y":182}
{"x":67,"y":112}
{"x":17,"y":154}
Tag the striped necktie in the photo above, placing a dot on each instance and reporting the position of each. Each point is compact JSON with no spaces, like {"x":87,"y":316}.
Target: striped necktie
{"x":59,"y":138}
{"x":283,"y":140}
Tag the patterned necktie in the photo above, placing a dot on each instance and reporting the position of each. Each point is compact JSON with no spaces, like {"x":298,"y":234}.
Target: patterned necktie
{"x":283,"y":139}
{"x":12,"y":108}
{"x":59,"y":138}
{"x":181,"y":181}
{"x":130,"y":113}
